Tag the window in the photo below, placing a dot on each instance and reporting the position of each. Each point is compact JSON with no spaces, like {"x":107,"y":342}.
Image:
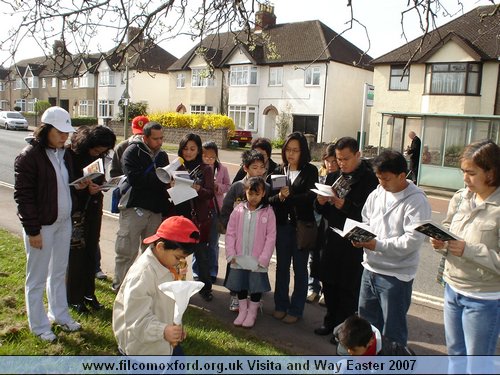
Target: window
{"x":64,"y":84}
{"x":400,"y":78}
{"x":200,"y":109}
{"x":2,"y":86}
{"x":199,"y":78}
{"x":181,"y":80}
{"x":4,"y":104}
{"x":86,"y":108}
{"x":243,"y":75}
{"x":54,"y":82}
{"x":106,"y":79}
{"x":87,"y":80}
{"x":453,"y":78}
{"x":244,"y":117}
{"x":276,"y":76}
{"x":312,"y":75}
{"x":106,"y":108}
{"x":21,"y":103}
{"x":76,"y":82}
{"x":32,"y":82}
{"x":20,"y":84}
{"x":44,"y":83}
{"x":30,"y":105}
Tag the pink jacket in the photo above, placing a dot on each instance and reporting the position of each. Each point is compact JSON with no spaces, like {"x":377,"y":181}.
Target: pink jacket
{"x":223,"y":184}
{"x":265,"y":234}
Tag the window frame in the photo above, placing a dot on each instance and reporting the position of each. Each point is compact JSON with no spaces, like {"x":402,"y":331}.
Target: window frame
{"x":278,"y":80}
{"x":243,"y":75}
{"x":105,"y":108}
{"x":85,"y":108}
{"x":404,"y":74}
{"x":430,"y":72}
{"x":181,"y":80}
{"x":198,"y":78}
{"x":200,"y":109}
{"x":309,"y":75}
{"x":243,"y":122}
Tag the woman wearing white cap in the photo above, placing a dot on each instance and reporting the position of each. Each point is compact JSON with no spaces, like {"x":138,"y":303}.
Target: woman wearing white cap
{"x":44,"y":202}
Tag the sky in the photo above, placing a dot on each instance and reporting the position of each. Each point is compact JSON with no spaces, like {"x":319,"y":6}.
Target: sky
{"x":382,"y":18}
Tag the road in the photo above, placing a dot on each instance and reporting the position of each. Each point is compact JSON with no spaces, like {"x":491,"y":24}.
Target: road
{"x":425,"y":289}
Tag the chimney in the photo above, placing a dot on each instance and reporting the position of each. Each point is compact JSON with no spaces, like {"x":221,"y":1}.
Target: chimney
{"x":265,"y":17}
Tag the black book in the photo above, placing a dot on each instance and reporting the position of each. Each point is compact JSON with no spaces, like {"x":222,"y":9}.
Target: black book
{"x":436,"y":231}
{"x":355,"y":231}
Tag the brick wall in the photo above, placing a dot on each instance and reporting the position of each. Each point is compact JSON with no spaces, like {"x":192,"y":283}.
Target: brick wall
{"x":174,"y":135}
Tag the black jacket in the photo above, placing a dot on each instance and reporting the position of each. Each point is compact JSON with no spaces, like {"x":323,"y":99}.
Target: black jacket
{"x":148,"y":191}
{"x":299,"y":204}
{"x":35,"y":188}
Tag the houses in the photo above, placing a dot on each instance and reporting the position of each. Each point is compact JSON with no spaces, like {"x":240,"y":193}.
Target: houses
{"x":449,"y":93}
{"x":303,"y":69}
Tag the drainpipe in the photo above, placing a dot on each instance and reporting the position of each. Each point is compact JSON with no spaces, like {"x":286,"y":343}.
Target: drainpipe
{"x":324,"y":104}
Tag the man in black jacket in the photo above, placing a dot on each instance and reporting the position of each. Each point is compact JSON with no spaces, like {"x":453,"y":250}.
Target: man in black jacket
{"x":414,"y":152}
{"x":340,"y":262}
{"x":147,"y":200}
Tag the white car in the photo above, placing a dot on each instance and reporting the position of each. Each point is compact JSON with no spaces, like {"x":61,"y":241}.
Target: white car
{"x":13,"y":120}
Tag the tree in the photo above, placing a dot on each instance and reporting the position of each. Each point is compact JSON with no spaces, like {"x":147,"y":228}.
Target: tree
{"x":78,"y":22}
{"x":134,"y":109}
{"x":41,"y":106}
{"x":284,"y":122}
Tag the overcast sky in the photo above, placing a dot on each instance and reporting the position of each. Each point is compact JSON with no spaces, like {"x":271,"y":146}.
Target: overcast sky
{"x":382,"y":18}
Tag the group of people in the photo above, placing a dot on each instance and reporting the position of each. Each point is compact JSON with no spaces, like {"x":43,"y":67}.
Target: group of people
{"x":370,"y":281}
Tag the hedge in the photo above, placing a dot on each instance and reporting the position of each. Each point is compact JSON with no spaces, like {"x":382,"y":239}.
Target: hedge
{"x":202,"y":121}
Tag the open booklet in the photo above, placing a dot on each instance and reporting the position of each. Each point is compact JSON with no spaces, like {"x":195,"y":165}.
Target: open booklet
{"x":278,"y":181}
{"x":112,"y":182}
{"x":90,"y":172}
{"x":324,"y":190}
{"x":435,"y":230}
{"x":183,"y":187}
{"x":355,"y":231}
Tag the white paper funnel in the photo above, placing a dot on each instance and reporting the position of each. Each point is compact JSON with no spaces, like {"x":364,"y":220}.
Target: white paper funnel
{"x":165,"y":173}
{"x":180,"y":291}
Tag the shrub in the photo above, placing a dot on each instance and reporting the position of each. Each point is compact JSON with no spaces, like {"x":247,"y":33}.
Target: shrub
{"x":197,"y":121}
{"x":278,"y":143}
{"x":41,"y":106}
{"x":79,"y":121}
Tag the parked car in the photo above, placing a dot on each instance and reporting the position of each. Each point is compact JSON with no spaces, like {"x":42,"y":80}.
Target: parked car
{"x":13,"y":120}
{"x":242,"y":137}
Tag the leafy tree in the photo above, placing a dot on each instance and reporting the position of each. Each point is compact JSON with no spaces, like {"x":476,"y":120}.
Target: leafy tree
{"x":134,"y":109}
{"x":284,"y":122}
{"x":41,"y":106}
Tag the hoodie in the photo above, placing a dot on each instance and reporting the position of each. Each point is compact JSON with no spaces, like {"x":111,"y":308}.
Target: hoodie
{"x":397,"y":250}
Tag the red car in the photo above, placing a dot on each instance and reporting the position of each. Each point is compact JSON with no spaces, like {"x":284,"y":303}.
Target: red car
{"x":242,"y":137}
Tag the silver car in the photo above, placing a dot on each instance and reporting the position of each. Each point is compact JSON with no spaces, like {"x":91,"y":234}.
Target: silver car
{"x":13,"y":120}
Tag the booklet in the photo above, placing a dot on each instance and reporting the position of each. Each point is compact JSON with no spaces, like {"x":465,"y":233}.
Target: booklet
{"x":341,"y":186}
{"x":355,"y":231}
{"x":112,"y":182}
{"x":434,"y":230}
{"x":278,"y":181}
{"x":324,"y":190}
{"x":183,"y":188}
{"x":91,"y":171}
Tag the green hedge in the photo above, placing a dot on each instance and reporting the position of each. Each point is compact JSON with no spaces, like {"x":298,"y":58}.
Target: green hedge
{"x":79,"y":121}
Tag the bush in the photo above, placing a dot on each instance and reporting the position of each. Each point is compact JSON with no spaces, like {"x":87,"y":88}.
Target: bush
{"x":203,"y":121}
{"x":278,"y":143}
{"x":79,"y":121}
{"x":134,"y":110}
{"x":41,"y":106}
{"x":17,"y":108}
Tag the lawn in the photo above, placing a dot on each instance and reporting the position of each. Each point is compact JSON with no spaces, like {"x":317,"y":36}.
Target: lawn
{"x":206,"y":335}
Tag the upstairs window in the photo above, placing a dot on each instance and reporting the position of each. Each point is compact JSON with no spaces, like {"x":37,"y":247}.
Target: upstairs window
{"x":199,"y":78}
{"x":400,"y":78}
{"x":181,"y":80}
{"x":243,"y":75}
{"x":64,"y":84}
{"x":106,"y":78}
{"x":276,"y":76}
{"x":312,"y":75}
{"x":44,"y":83}
{"x":76,"y":82}
{"x":453,"y":78}
{"x":54,"y":82}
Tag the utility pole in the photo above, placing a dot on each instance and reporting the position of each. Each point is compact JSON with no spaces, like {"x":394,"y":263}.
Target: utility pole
{"x":125,"y":98}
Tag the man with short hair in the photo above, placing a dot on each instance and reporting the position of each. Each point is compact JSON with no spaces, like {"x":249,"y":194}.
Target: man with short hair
{"x":391,"y":259}
{"x":340,"y":267}
{"x":414,"y":152}
{"x":147,"y":201}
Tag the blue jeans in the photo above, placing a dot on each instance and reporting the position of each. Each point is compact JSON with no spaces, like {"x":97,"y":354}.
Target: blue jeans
{"x":213,"y":250}
{"x":384,"y":301}
{"x":286,"y":254}
{"x":471,"y":325}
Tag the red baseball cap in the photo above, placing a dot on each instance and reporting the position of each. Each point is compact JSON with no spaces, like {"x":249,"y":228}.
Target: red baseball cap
{"x":176,"y":229}
{"x":138,"y":124}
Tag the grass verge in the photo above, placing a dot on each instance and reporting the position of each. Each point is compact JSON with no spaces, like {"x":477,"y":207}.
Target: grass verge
{"x":206,"y":335}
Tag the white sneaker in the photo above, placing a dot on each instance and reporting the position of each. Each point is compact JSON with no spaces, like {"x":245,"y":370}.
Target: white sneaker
{"x":48,"y":336}
{"x":100,"y":275}
{"x":322,"y":300}
{"x":71,"y":326}
{"x":234,"y":304}
{"x":311,"y":296}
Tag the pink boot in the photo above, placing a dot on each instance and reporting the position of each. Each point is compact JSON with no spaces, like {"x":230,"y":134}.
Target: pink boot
{"x":242,"y":313}
{"x":251,"y":315}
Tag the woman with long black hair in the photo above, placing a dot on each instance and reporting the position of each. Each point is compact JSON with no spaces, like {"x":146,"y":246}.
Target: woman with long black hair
{"x":87,"y":145}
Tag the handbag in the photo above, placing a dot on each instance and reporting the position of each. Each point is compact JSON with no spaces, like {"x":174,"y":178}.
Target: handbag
{"x":307,"y":232}
{"x":78,"y":231}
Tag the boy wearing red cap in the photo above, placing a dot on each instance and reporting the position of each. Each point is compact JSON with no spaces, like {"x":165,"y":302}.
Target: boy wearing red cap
{"x":138,"y":123}
{"x":142,"y":314}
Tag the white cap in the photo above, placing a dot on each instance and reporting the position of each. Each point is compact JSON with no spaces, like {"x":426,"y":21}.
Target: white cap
{"x":58,"y":118}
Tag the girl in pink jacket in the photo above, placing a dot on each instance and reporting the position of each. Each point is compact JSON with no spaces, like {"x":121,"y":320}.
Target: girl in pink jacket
{"x":250,"y":240}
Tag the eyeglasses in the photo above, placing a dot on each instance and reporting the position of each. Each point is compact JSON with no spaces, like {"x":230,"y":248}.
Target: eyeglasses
{"x":292,"y":150}
{"x":210,"y":157}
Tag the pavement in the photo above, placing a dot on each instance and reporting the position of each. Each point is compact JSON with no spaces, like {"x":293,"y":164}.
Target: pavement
{"x":426,"y":330}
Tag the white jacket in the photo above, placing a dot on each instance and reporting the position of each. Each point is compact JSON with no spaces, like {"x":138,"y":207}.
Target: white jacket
{"x":397,"y":250}
{"x":141,"y":311}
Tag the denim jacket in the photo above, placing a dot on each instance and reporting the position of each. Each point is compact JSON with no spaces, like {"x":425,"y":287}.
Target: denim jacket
{"x":478,"y":269}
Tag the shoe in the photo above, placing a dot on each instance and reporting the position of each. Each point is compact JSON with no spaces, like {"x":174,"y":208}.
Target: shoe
{"x":80,"y":308}
{"x":48,"y":336}
{"x":115,"y":289}
{"x":290,"y":319}
{"x":93,"y":302}
{"x":311,"y":296}
{"x":214,"y":279}
{"x":322,"y":300}
{"x":207,"y":296}
{"x":323,"y":330}
{"x":242,"y":313}
{"x":279,"y":314}
{"x":249,"y":321}
{"x":100,"y":275}
{"x":234,"y":304}
{"x":71,"y":326}
{"x":333,"y":341}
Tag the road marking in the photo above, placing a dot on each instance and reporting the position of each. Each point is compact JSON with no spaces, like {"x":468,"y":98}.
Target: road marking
{"x":428,"y":299}
{"x":6,"y":185}
{"x":436,"y":212}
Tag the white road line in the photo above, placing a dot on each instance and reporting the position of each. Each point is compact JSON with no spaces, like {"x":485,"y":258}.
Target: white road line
{"x":6,"y":185}
{"x":428,"y":299}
